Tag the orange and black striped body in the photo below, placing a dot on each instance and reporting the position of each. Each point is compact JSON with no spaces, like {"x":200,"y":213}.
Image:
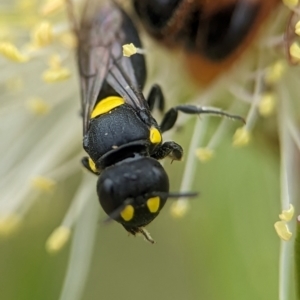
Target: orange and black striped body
{"x":213,"y":34}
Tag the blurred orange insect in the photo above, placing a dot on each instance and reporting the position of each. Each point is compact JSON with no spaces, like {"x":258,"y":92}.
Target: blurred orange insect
{"x":213,"y":33}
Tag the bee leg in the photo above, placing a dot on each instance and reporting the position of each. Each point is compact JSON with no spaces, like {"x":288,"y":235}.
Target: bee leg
{"x":156,"y":96}
{"x":86,"y":162}
{"x":171,"y":116}
{"x":169,"y":120}
{"x":170,"y":149}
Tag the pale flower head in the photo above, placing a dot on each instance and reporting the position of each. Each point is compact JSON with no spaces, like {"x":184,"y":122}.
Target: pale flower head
{"x":41,"y":128}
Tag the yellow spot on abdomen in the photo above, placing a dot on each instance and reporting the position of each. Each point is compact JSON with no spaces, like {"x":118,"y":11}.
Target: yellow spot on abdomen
{"x":153,"y":204}
{"x":106,"y":105}
{"x":127,"y":213}
{"x":155,"y":136}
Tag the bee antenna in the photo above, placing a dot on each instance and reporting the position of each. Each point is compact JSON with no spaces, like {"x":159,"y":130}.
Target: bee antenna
{"x":175,"y":194}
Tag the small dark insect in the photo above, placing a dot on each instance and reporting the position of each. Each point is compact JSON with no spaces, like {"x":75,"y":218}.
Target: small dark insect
{"x":123,"y":140}
{"x":212,"y":33}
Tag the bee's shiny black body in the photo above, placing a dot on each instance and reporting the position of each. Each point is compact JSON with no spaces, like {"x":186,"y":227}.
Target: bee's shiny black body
{"x":120,"y":135}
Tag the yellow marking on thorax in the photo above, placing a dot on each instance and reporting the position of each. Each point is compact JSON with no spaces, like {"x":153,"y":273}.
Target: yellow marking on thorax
{"x":106,"y":105}
{"x":92,"y":165}
{"x":155,"y":136}
{"x":153,"y":204}
{"x":127,"y":213}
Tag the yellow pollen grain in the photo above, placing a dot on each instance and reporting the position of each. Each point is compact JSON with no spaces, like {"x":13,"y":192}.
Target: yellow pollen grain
{"x":10,"y":51}
{"x":153,"y":204}
{"x":56,"y":75}
{"x":38,"y":106}
{"x":297,"y":28}
{"x":288,"y":214}
{"x":43,"y":183}
{"x":282,"y":230}
{"x":129,"y":49}
{"x":54,"y":61}
{"x":241,"y":137}
{"x":56,"y":72}
{"x":295,"y":52}
{"x":155,"y":136}
{"x":9,"y":224}
{"x":179,"y":209}
{"x":275,"y":72}
{"x":58,"y":239}
{"x":290,"y":3}
{"x":42,"y":34}
{"x":51,"y":6}
{"x":267,"y":104}
{"x":204,"y":154}
{"x":68,"y":39}
{"x":127,"y":213}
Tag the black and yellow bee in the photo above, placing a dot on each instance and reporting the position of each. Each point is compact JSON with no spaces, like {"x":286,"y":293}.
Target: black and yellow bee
{"x":123,"y":140}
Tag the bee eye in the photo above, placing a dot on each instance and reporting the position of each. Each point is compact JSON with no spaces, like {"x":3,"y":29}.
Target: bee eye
{"x":156,"y":13}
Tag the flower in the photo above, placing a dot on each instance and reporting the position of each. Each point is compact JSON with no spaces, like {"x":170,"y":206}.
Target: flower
{"x":230,"y":228}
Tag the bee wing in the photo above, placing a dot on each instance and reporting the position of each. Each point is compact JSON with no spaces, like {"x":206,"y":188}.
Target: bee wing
{"x":100,"y":40}
{"x":122,"y":78}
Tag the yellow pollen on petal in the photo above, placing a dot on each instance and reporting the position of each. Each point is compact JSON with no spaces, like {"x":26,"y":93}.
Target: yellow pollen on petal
{"x":295,"y":52}
{"x":241,"y":137}
{"x":288,"y":214}
{"x":56,"y":72}
{"x":58,"y":239}
{"x":179,"y":209}
{"x":56,"y":75}
{"x":290,"y":3}
{"x":51,"y":7}
{"x":9,"y":224}
{"x":204,"y":154}
{"x":267,"y":104}
{"x":11,"y":52}
{"x":42,"y":35}
{"x":283,"y":230}
{"x":38,"y":106}
{"x":129,"y":49}
{"x":68,"y":39}
{"x":297,"y":28}
{"x":43,"y":183}
{"x":275,"y":72}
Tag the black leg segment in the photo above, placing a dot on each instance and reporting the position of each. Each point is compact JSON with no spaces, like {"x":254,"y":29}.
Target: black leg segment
{"x":171,"y":149}
{"x":170,"y":117}
{"x":156,"y":97}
